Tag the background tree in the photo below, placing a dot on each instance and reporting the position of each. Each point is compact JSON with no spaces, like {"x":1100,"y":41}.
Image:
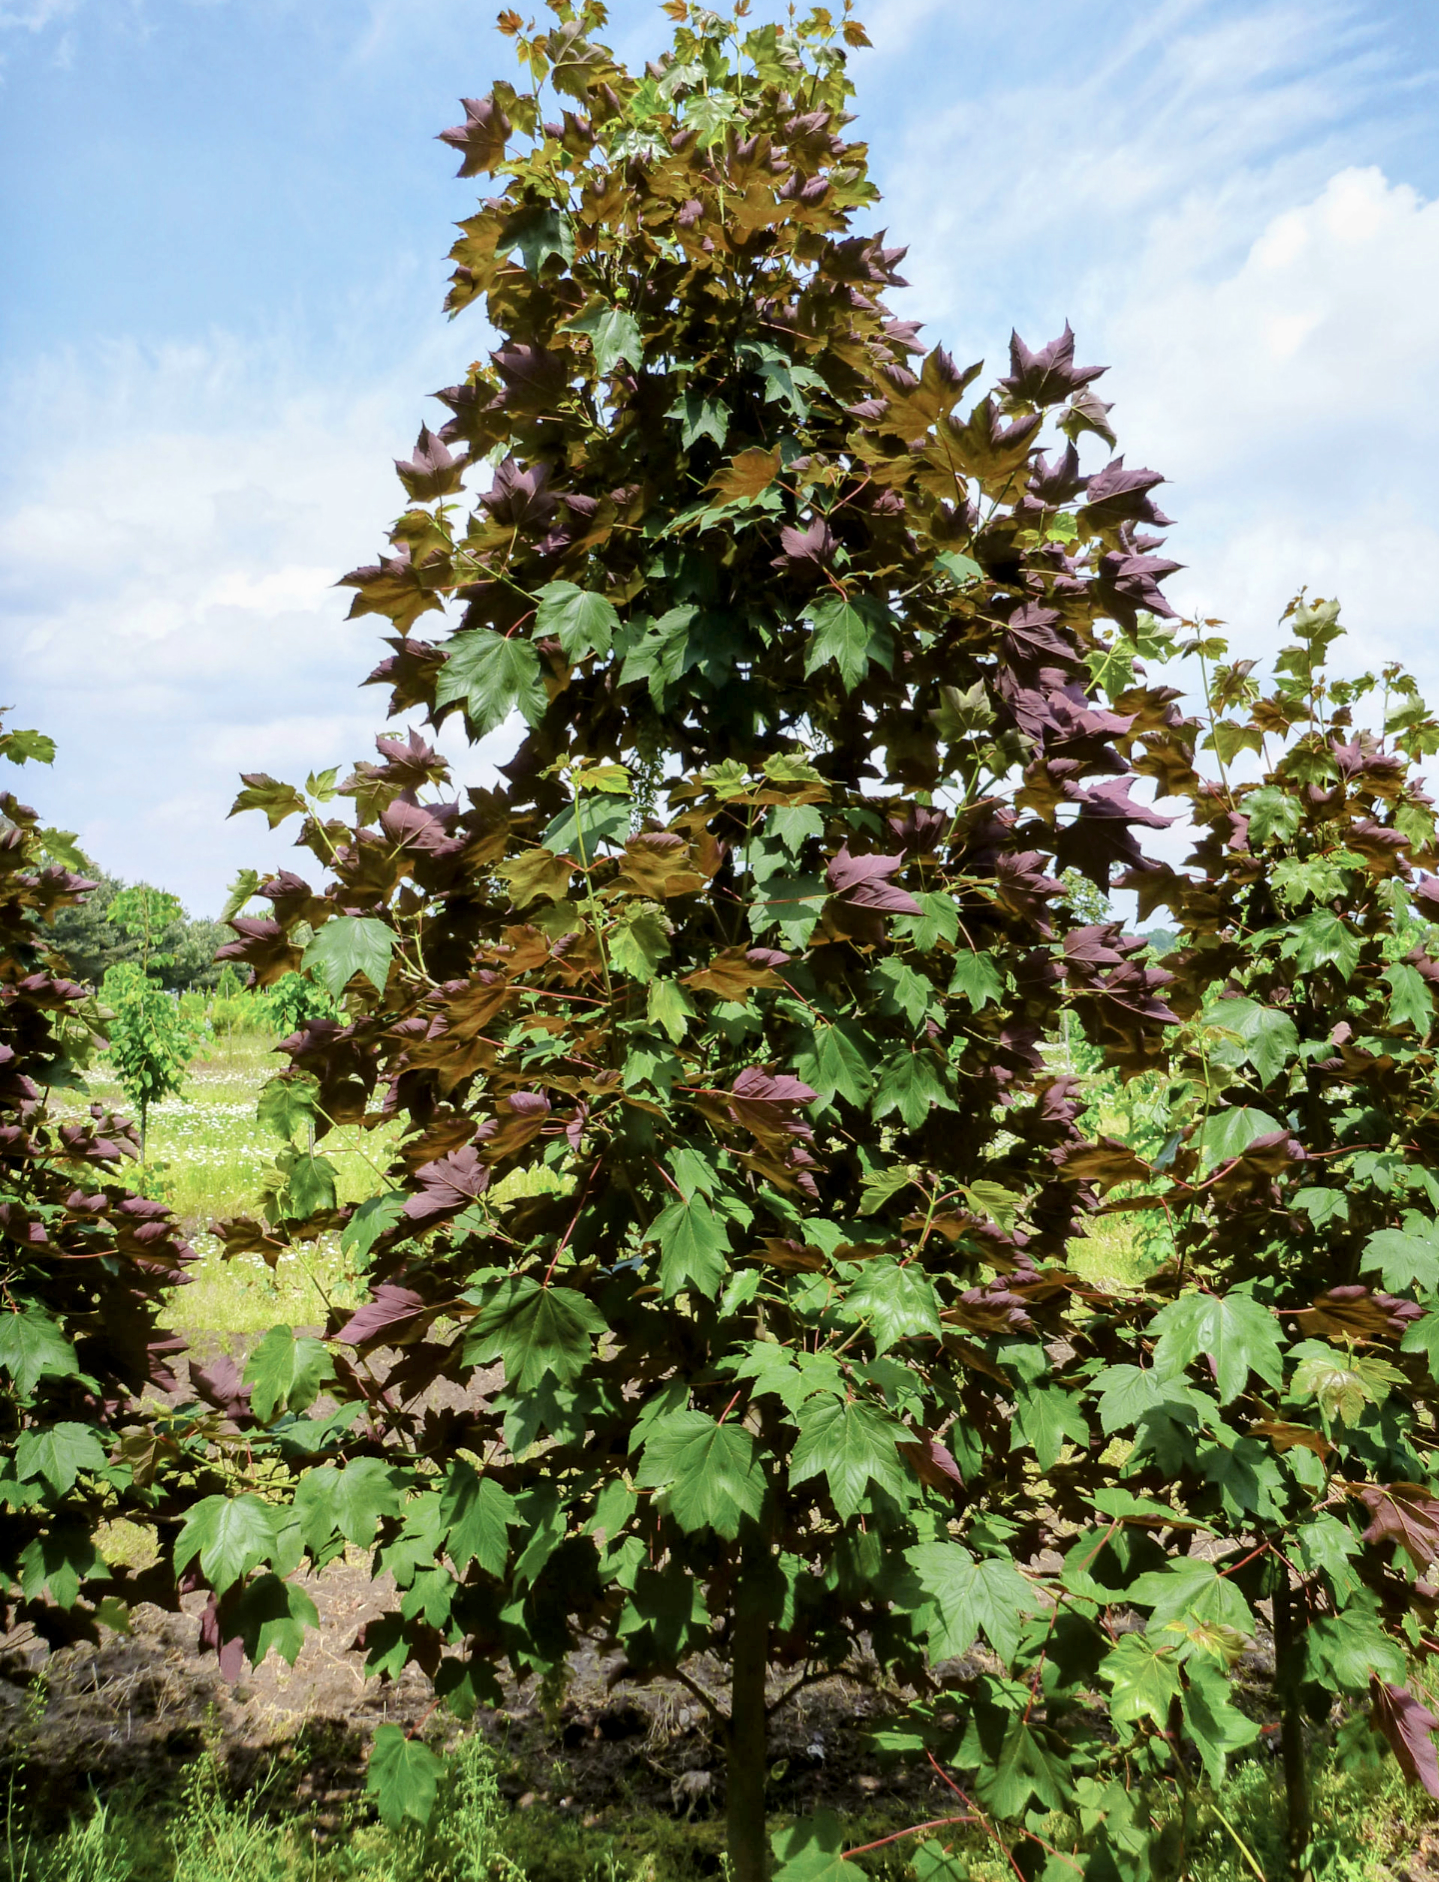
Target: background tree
{"x":717,"y":1033}
{"x":183,"y":950}
{"x":150,"y":1041}
{"x":1290,"y":1385}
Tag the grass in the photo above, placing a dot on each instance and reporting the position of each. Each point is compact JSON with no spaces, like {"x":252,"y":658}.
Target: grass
{"x":206,"y":1157}
{"x":210,"y":1830}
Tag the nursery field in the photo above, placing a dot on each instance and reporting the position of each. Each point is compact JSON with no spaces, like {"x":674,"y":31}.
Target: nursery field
{"x":135,"y":1761}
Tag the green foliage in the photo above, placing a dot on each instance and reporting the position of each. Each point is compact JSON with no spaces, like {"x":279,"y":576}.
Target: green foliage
{"x":84,"y":1267}
{"x":150,"y":1040}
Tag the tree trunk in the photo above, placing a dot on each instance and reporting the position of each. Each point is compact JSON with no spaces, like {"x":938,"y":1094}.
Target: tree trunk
{"x":1288,"y":1677}
{"x":746,"y":1748}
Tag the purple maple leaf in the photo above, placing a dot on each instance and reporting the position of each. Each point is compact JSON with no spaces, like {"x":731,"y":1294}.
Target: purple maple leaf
{"x":863,"y":881}
{"x":1129,"y":582}
{"x":1116,"y":495}
{"x":766,"y":1102}
{"x":521,"y":497}
{"x":1398,"y":1715}
{"x":433,"y":471}
{"x":446,"y":1186}
{"x":396,"y":1312}
{"x":808,"y":550}
{"x":480,"y":140}
{"x":220,"y":1385}
{"x":1049,"y":376}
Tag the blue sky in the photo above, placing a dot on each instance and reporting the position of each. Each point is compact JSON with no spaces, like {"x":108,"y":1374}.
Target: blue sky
{"x":224,"y":224}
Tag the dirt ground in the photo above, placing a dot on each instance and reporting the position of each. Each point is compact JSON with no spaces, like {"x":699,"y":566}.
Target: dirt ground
{"x":138,"y":1707}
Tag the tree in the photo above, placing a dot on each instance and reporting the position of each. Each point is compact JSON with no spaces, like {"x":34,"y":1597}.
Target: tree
{"x":150,"y":1041}
{"x":1294,"y":1368}
{"x":182,"y":950}
{"x":84,"y":1268}
{"x":717,"y":1032}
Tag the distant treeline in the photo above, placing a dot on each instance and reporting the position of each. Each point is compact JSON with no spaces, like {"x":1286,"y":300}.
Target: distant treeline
{"x":183,"y":961}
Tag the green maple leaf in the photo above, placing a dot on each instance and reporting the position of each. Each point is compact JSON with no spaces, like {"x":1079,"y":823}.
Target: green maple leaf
{"x":1273,"y":815}
{"x":263,"y":792}
{"x":668,"y":1006}
{"x":1225,"y":1135}
{"x":911,"y":1083}
{"x":476,"y":1513}
{"x":1350,"y":1647}
{"x":584,"y":825}
{"x":286,"y":1372}
{"x":1127,"y":1392}
{"x":961,"y":711}
{"x":1025,"y":1768}
{"x":708,"y":1472}
{"x":62,"y":1560}
{"x":898,"y":1302}
{"x":20,"y":746}
{"x":1407,"y":1257}
{"x":1322,"y":1205}
{"x":614,"y":334}
{"x":790,"y":903}
{"x":348,"y":945}
{"x":693,"y":1245}
{"x":939,"y":922}
{"x":899,"y":989}
{"x":1343,"y":1383}
{"x":582,"y":622}
{"x":852,"y":631}
{"x":971,"y":1594}
{"x":639,"y":940}
{"x":309,"y":1183}
{"x":1216,"y":1725}
{"x":230,"y":1534}
{"x":32,"y":1347}
{"x":977,"y":978}
{"x":363,"y":1491}
{"x":853,"y":1444}
{"x":58,"y":1453}
{"x":288,"y":1103}
{"x":536,"y":1330}
{"x":836,"y":1062}
{"x":961,"y":569}
{"x":369,"y":1222}
{"x":1190,"y":1589}
{"x":1410,"y":1001}
{"x":700,"y":417}
{"x":1233,"y":1331}
{"x":1423,"y":1337}
{"x":812,"y":1851}
{"x":493,"y":677}
{"x":403,"y":1777}
{"x":1045,"y":1418}
{"x":882,"y":1186}
{"x":1323,"y":940}
{"x":1264,"y":1035}
{"x":272,"y":1613}
{"x":1144,"y":1678}
{"x":538,"y":233}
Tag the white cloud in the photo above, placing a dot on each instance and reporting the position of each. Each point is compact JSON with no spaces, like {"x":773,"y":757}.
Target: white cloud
{"x":37,"y":14}
{"x":167,"y":586}
{"x":1290,"y":402}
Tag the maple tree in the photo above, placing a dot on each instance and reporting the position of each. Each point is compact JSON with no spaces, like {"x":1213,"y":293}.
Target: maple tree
{"x":740,"y":1168}
{"x":85,"y":1265}
{"x":717,"y":1031}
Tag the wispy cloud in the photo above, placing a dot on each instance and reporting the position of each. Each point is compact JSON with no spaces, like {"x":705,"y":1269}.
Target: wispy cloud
{"x":168,"y":589}
{"x":33,"y":15}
